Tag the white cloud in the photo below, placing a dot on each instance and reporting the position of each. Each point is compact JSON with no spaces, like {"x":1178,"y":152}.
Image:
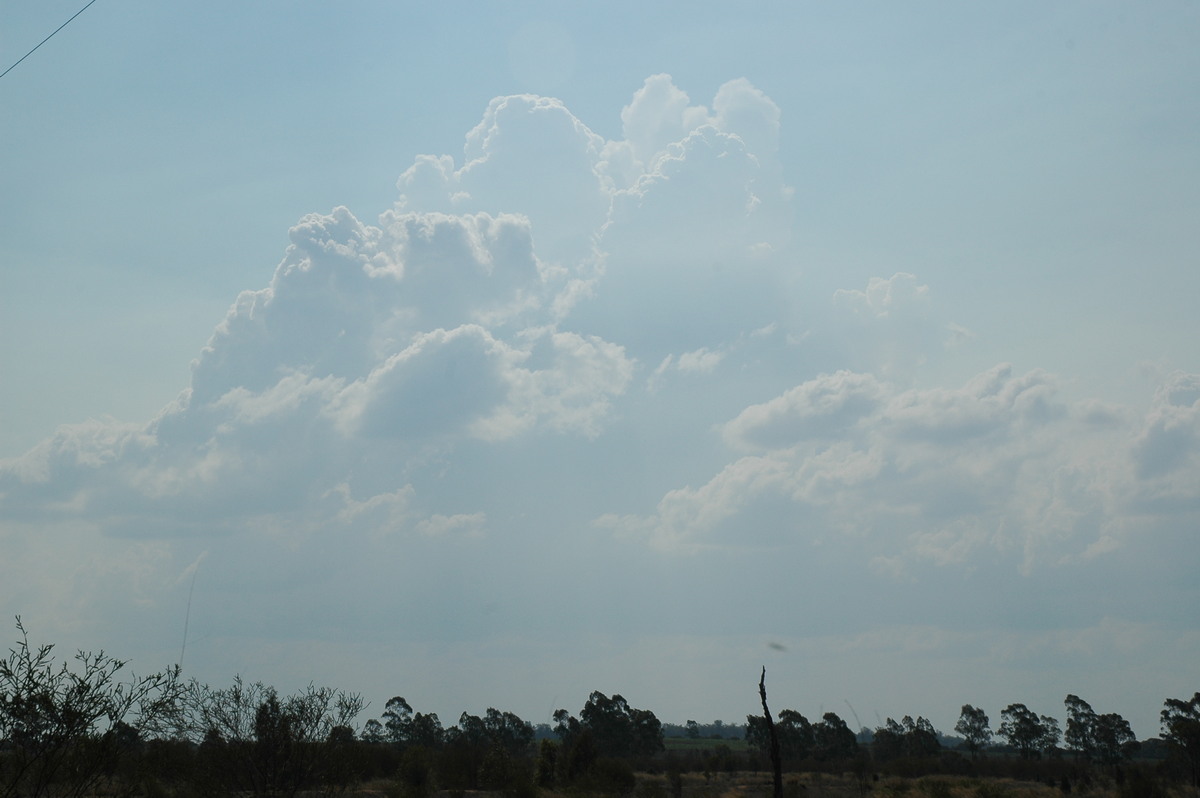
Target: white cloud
{"x":824,"y":408}
{"x":893,"y":325}
{"x":469,"y":525}
{"x":563,"y":360}
{"x":935,"y":475}
{"x":701,"y":361}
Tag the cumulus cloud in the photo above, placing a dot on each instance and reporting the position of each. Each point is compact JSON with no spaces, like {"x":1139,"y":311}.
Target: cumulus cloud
{"x":495,"y":300}
{"x":894,"y":323}
{"x":823,"y":408}
{"x":555,"y":334}
{"x":940,"y":476}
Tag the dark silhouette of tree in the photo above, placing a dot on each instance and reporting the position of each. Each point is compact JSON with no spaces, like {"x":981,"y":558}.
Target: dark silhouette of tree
{"x":547,"y":764}
{"x":373,"y":732}
{"x":1181,"y":730}
{"x":426,"y":730}
{"x":795,"y":735}
{"x":1051,"y":736}
{"x":256,"y":741}
{"x":606,"y":731}
{"x":1103,"y":739}
{"x":1113,"y":739}
{"x":832,"y":739}
{"x":973,"y":726}
{"x":397,"y":719}
{"x":486,"y":753}
{"x":1031,"y":735}
{"x":772,"y":737}
{"x":618,"y":730}
{"x":908,"y":738}
{"x":508,"y":731}
{"x":403,"y":727}
{"x":1081,"y":723}
{"x":64,"y":727}
{"x":793,"y":731}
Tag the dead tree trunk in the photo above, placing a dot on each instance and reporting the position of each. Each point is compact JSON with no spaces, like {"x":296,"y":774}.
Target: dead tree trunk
{"x":776,"y":763}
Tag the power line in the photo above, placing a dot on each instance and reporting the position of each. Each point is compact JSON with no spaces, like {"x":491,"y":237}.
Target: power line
{"x":48,"y":38}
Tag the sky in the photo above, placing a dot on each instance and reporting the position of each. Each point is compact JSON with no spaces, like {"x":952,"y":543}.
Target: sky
{"x":491,"y":354}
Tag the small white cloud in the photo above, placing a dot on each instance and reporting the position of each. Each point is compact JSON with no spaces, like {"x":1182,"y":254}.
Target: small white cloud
{"x":461,"y":525}
{"x":701,"y":361}
{"x":823,"y":407}
{"x":899,"y":294}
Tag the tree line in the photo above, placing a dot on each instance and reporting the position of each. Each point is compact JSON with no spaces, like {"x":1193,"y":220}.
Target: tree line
{"x":81,"y":727}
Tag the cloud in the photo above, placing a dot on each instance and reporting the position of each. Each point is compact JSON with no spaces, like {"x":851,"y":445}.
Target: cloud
{"x":824,"y":407}
{"x":376,"y":349}
{"x":1167,"y":442}
{"x":938,"y":476}
{"x":528,"y":155}
{"x":893,"y":325}
{"x":561,"y":361}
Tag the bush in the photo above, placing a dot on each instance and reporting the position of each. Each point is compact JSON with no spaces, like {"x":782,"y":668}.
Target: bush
{"x":609,"y":776}
{"x":66,"y":728}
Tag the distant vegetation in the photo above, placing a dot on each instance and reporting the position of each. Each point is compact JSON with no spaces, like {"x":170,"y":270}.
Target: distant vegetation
{"x":83,"y":728}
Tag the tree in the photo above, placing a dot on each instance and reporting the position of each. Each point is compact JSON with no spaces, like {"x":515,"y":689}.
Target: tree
{"x":1030,"y":735}
{"x":397,"y":719}
{"x":65,"y":727}
{"x":693,"y":730}
{"x":908,"y":738}
{"x":772,"y":738}
{"x":1081,"y":723}
{"x":1105,"y":739}
{"x":566,"y":726}
{"x":887,"y":741}
{"x":973,"y":726}
{"x":795,"y":735}
{"x":1051,"y":736}
{"x":426,"y":730}
{"x":1181,"y":730}
{"x":618,"y":730}
{"x":485,"y":752}
{"x":832,"y":739}
{"x":373,"y":732}
{"x":506,"y":730}
{"x":1113,"y":739}
{"x":254,"y":740}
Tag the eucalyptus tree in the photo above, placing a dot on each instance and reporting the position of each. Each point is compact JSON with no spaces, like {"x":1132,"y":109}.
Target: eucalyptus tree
{"x":973,"y":726}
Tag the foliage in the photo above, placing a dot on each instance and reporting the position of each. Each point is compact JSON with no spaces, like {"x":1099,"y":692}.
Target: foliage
{"x":833,"y":740}
{"x":482,"y":752}
{"x":67,"y":727}
{"x":908,"y":738}
{"x":253,"y":740}
{"x":1181,"y":730}
{"x":405,"y":728}
{"x":1079,"y":734}
{"x":1031,"y":735}
{"x":616,"y":729}
{"x":1102,"y":739}
{"x":973,"y":726}
{"x":794,"y":732}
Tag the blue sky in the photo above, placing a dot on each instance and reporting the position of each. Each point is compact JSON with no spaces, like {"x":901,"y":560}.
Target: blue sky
{"x":493,"y":354}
